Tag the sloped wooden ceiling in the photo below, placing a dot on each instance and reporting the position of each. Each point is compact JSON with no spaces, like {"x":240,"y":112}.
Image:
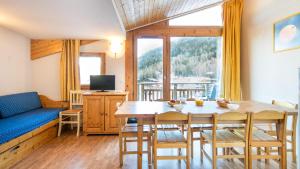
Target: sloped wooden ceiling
{"x":138,"y":13}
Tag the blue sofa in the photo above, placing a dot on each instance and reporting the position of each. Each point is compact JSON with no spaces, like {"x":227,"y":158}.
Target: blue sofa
{"x":22,"y":113}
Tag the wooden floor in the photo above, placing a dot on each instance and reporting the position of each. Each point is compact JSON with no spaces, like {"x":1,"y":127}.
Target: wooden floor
{"x":101,"y":152}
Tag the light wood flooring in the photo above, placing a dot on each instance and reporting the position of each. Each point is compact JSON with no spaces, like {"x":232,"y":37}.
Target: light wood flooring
{"x":101,"y":152}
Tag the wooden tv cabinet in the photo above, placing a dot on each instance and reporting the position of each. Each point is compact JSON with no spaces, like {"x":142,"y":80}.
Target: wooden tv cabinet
{"x":99,"y":112}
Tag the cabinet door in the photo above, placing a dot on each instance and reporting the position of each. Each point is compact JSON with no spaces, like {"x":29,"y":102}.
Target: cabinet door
{"x":111,"y":123}
{"x":93,"y":114}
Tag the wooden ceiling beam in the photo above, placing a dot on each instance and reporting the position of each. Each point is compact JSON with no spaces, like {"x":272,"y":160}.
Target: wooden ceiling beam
{"x":42,"y":47}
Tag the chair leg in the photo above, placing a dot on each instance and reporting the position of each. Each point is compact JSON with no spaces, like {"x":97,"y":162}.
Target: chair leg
{"x":121,"y":149}
{"x":259,"y":152}
{"x":201,"y":148}
{"x":250,"y":157}
{"x":188,"y":157}
{"x":78,"y":124}
{"x":267,"y":150}
{"x":246,"y":160}
{"x":294,"y":147}
{"x":149,"y":148}
{"x":154,"y":157}
{"x":192,"y":144}
{"x":59,"y":125}
{"x":282,"y":152}
{"x":179,"y":154}
{"x":214,"y":157}
{"x":71,"y":125}
{"x":125,"y":144}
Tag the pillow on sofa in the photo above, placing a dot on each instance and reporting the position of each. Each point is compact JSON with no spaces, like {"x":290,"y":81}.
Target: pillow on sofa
{"x":18,"y":103}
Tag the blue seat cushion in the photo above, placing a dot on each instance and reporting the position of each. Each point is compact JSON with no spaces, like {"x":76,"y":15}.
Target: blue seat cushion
{"x":20,"y":124}
{"x":14,"y":104}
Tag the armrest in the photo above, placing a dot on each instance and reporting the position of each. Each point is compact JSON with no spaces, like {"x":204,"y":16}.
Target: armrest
{"x":48,"y":103}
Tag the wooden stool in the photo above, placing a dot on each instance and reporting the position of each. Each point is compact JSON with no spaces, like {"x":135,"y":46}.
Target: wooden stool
{"x":65,"y":118}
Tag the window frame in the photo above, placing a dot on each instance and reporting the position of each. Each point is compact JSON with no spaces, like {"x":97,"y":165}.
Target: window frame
{"x":165,"y":31}
{"x":102,"y":56}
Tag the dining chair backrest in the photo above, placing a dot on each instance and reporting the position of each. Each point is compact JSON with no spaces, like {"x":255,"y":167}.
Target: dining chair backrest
{"x":292,"y":118}
{"x":285,"y":104}
{"x":233,"y":118}
{"x":172,"y":117}
{"x":270,"y":117}
{"x":76,"y":99}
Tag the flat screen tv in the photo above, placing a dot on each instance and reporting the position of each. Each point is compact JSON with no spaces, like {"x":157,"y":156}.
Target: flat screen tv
{"x":102,"y":82}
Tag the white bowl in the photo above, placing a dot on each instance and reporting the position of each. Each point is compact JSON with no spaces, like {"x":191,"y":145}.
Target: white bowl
{"x":178,"y":107}
{"x":233,"y":106}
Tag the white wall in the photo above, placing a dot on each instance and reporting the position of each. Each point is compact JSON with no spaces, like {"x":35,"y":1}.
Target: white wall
{"x":15,"y":65}
{"x":267,"y":75}
{"x":45,"y":71}
{"x":45,"y":76}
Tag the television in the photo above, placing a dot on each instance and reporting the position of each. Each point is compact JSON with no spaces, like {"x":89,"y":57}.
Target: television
{"x":102,"y":82}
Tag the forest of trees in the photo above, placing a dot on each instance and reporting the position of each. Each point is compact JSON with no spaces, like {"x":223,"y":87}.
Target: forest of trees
{"x":190,"y":57}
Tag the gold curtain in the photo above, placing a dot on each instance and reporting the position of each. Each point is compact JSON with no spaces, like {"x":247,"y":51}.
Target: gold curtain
{"x":231,"y":81}
{"x":69,"y":68}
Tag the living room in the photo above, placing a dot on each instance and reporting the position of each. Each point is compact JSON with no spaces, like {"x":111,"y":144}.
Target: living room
{"x":190,"y":57}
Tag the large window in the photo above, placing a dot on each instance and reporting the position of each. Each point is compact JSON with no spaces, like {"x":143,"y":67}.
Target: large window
{"x":90,"y":64}
{"x":194,"y":67}
{"x":150,"y":68}
{"x":207,"y":17}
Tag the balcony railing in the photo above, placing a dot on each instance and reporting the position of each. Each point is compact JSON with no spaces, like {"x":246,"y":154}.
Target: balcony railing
{"x":149,"y":91}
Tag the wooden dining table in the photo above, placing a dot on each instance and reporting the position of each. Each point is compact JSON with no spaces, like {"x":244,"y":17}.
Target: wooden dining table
{"x":145,"y":111}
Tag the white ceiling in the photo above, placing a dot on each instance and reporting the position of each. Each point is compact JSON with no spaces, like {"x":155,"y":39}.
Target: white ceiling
{"x":45,"y":19}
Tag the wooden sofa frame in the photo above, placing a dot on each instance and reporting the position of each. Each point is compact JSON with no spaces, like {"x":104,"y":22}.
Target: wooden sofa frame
{"x":18,"y":148}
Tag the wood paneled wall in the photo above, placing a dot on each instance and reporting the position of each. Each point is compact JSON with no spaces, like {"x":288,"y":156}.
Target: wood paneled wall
{"x":164,"y":31}
{"x":42,"y":48}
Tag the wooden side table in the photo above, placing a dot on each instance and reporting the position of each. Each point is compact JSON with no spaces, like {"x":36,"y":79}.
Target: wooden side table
{"x":65,"y":118}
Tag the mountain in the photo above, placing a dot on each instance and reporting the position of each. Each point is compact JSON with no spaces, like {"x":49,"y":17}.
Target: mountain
{"x":190,"y":57}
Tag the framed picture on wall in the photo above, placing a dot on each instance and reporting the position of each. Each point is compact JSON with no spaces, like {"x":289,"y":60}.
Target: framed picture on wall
{"x":287,"y":33}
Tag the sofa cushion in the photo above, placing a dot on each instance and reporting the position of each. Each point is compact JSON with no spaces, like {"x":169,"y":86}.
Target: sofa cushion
{"x":11,"y":105}
{"x":20,"y":124}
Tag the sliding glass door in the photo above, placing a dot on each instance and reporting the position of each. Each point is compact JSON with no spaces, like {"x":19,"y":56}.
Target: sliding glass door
{"x":178,"y":67}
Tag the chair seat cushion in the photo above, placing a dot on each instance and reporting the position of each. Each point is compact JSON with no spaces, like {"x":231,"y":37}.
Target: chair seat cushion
{"x":257,"y":135}
{"x":170,"y":136}
{"x":222,"y":136}
{"x":20,"y":124}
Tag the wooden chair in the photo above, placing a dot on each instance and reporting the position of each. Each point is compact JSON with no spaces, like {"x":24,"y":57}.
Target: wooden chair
{"x":76,"y":99}
{"x":171,"y":138}
{"x":258,"y":138}
{"x":225,"y":139}
{"x":66,"y":117}
{"x":76,"y":102}
{"x":290,"y":132}
{"x":128,"y":133}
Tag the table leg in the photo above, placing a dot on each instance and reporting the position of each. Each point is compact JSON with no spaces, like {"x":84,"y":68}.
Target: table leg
{"x":140,"y":144}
